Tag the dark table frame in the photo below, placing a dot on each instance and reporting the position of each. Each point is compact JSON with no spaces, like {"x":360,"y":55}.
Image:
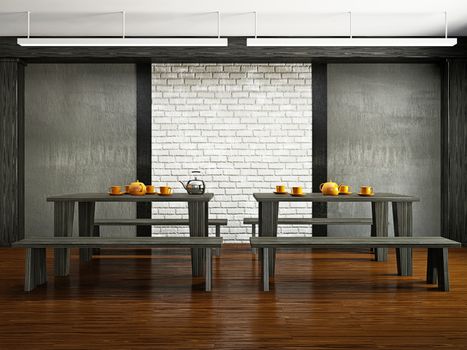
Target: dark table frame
{"x":268,"y":212}
{"x":64,"y":206}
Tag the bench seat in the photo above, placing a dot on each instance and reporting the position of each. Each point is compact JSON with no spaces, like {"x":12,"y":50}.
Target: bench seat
{"x":155,"y":222}
{"x":309,"y":221}
{"x":437,"y":261}
{"x":36,"y":272}
{"x":314,"y":221}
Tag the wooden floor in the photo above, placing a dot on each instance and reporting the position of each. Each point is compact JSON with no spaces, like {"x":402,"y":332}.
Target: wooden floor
{"x":320,"y":300}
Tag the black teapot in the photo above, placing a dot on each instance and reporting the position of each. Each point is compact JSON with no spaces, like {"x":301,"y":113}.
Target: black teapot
{"x":194,"y":186}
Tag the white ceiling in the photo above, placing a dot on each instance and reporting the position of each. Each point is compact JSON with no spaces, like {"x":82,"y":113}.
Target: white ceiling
{"x":197,"y":18}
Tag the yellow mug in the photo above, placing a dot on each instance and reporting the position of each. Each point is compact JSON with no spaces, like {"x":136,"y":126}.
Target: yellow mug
{"x":297,"y":190}
{"x":344,"y":188}
{"x":366,"y":190}
{"x":115,"y":189}
{"x":166,"y":190}
{"x":280,"y":188}
{"x":150,"y":189}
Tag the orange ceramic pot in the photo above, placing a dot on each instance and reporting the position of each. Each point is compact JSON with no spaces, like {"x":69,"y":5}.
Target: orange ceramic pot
{"x":137,"y":188}
{"x":329,"y":188}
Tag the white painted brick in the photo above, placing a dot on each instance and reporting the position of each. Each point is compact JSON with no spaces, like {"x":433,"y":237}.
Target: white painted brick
{"x":264,"y":68}
{"x":231,"y":68}
{"x":238,"y":124}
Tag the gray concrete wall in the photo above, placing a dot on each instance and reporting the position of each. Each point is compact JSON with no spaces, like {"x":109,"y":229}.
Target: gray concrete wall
{"x":384,"y":130}
{"x":80,"y":136}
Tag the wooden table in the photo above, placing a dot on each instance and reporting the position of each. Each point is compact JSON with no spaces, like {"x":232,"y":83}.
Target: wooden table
{"x":402,"y":216}
{"x":198,"y":216}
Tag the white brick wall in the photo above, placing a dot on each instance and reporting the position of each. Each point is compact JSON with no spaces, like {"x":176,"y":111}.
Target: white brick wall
{"x":247,"y":127}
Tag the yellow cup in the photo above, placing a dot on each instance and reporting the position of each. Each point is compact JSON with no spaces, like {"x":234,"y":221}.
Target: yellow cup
{"x":280,"y":188}
{"x":150,"y":189}
{"x":115,"y":189}
{"x":166,"y":190}
{"x":297,"y":190}
{"x":366,"y":190}
{"x":344,"y":188}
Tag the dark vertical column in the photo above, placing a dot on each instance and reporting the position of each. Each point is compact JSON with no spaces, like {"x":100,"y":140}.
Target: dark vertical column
{"x":143,"y":139}
{"x":444,"y":67}
{"x":320,"y":139}
{"x":11,"y":151}
{"x":455,"y":153}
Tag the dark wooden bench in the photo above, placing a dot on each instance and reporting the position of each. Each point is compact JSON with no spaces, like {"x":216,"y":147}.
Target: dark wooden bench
{"x":309,"y":221}
{"x":36,"y":271}
{"x":155,"y":222}
{"x":437,"y":262}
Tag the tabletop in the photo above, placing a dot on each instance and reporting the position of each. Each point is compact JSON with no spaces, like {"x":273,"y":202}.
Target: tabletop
{"x":105,"y":197}
{"x":319,"y":197}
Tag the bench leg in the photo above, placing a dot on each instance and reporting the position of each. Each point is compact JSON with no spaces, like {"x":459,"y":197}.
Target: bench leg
{"x":208,"y":265}
{"x":29,"y":271}
{"x":35,"y":272}
{"x":217,"y":251}
{"x":431,"y":270}
{"x":265,"y":269}
{"x":437,"y":268}
{"x":41,"y":266}
{"x":442,"y":268}
{"x":253,"y":234}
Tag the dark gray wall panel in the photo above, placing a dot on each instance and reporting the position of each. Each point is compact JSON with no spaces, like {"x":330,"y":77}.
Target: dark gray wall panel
{"x":455,"y":194}
{"x":320,"y":143}
{"x":384,"y":130}
{"x":143,"y":138}
{"x":80,"y":136}
{"x":11,"y":151}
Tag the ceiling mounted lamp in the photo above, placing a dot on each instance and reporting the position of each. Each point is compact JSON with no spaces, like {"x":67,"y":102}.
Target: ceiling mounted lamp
{"x":351,"y":41}
{"x":124,"y":41}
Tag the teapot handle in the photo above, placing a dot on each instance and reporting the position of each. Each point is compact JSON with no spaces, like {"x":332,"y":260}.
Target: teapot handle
{"x":321,"y":186}
{"x":204,"y":186}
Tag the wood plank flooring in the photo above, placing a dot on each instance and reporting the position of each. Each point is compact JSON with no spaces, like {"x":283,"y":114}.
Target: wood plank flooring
{"x":320,"y":300}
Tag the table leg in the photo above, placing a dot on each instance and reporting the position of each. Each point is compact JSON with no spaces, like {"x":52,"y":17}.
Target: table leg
{"x":198,"y":221}
{"x":268,"y":216}
{"x":379,"y":228}
{"x":96,"y":233}
{"x":253,"y":234}
{"x":403,"y":226}
{"x":86,"y":227}
{"x":63,"y":227}
{"x":208,"y":274}
{"x":265,"y":268}
{"x":217,"y":251}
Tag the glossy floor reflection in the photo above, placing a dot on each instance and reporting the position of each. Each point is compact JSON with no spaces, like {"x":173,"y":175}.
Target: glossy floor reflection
{"x":319,"y":300}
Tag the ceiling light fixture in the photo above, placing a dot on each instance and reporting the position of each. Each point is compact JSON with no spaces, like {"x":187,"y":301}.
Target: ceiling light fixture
{"x":124,"y":41}
{"x":352,"y":41}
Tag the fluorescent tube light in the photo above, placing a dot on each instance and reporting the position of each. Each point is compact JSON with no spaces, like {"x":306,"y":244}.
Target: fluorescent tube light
{"x":187,"y":42}
{"x":351,"y":42}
